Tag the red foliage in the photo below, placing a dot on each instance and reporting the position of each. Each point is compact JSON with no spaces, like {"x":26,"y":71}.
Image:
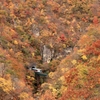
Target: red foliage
{"x":62,"y":38}
{"x":77,"y":91}
{"x":47,"y":96}
{"x":71,"y":75}
{"x":75,"y":94}
{"x":95,"y":20}
{"x":84,"y":19}
{"x":94,"y":49}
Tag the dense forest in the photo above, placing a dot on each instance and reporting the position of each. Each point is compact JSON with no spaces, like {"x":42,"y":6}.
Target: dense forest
{"x":59,"y":37}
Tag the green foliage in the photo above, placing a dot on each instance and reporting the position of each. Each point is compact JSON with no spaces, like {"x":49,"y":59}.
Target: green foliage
{"x":3,"y":42}
{"x":25,"y":51}
{"x":35,"y":42}
{"x":11,"y":72}
{"x":20,"y":30}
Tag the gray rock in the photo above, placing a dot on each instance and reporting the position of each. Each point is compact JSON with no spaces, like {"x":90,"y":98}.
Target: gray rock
{"x":47,"y":54}
{"x":35,"y":30}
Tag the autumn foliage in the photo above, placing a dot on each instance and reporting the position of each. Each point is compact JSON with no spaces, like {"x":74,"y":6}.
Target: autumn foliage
{"x":94,"y":49}
{"x":26,"y":26}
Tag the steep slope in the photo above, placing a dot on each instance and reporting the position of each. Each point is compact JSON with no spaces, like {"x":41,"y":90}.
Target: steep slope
{"x":78,"y":75}
{"x":61,"y":27}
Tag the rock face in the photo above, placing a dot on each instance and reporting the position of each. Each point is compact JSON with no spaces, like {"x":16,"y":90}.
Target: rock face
{"x":68,"y":50}
{"x":35,"y":30}
{"x":64,"y":53}
{"x":47,"y":54}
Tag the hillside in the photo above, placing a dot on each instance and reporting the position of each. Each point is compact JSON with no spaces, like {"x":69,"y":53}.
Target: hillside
{"x":61,"y":37}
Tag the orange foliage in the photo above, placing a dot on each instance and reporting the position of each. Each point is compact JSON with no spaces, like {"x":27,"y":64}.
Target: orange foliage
{"x":20,"y":19}
{"x":95,"y":20}
{"x":17,"y":66}
{"x":94,"y":49}
{"x":84,"y":40}
{"x":77,"y":91}
{"x":62,"y":38}
{"x":47,"y":96}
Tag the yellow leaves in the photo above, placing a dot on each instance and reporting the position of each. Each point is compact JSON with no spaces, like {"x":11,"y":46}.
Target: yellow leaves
{"x":51,"y":74}
{"x":11,"y":51}
{"x":74,"y":62}
{"x":84,"y":40}
{"x":81,"y":50}
{"x":45,"y":33}
{"x":51,"y":45}
{"x":42,"y":12}
{"x":98,"y":59}
{"x":32,"y":20}
{"x":78,"y":26}
{"x":63,"y":70}
{"x":54,"y":91}
{"x":33,"y":54}
{"x":29,"y":22}
{"x":62,"y":80}
{"x":11,"y":6}
{"x":6,"y":85}
{"x":63,"y":89}
{"x":30,"y":78}
{"x":64,"y":45}
{"x":24,"y":96}
{"x":15,"y":42}
{"x":46,"y":20}
{"x":84,"y":57}
{"x":45,"y":85}
{"x":82,"y":71}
